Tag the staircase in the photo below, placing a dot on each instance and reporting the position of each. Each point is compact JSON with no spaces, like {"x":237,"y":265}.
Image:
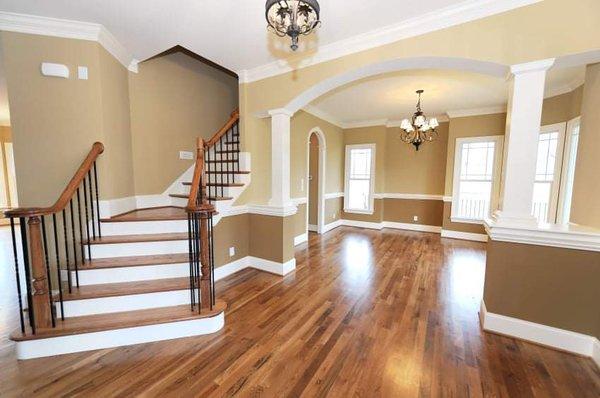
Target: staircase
{"x":88,"y":283}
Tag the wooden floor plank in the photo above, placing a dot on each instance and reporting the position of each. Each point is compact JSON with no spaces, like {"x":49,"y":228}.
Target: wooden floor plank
{"x":366,"y":313}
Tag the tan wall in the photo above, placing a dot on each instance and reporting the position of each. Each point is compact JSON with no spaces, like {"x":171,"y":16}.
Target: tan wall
{"x":376,"y":217}
{"x":429,"y":212}
{"x":231,"y":232}
{"x":547,"y":285}
{"x":55,"y":121}
{"x":586,"y":190}
{"x":333,"y":209}
{"x":371,"y":135}
{"x":271,"y":237}
{"x":301,"y":125}
{"x":300,"y":220}
{"x":313,"y":180}
{"x":174,"y":99}
{"x":459,"y":226}
{"x":419,"y":172}
{"x":562,"y":108}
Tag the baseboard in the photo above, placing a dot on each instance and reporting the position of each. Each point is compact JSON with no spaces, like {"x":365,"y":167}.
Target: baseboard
{"x":446,"y":233}
{"x":332,"y":225}
{"x":363,"y":224}
{"x":412,"y":227}
{"x":272,"y":266}
{"x":231,"y":268}
{"x":549,"y":336}
{"x":112,"y":207}
{"x":301,"y":239}
{"x":145,"y":201}
{"x":313,"y":228}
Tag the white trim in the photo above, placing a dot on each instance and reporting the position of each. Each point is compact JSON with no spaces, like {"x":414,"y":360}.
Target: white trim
{"x":334,"y":195}
{"x":236,"y":211}
{"x":301,"y":239}
{"x":561,"y":339}
{"x":300,"y":201}
{"x":145,"y":201}
{"x":569,"y":236}
{"x":363,"y":224}
{"x":563,"y":201}
{"x":322,"y":175}
{"x":272,"y":266}
{"x":29,"y":349}
{"x":364,"y":123}
{"x":412,"y":196}
{"x":313,"y":110}
{"x":446,"y":233}
{"x":55,"y":27}
{"x":533,"y":66}
{"x":412,"y":227}
{"x":112,"y":207}
{"x":457,"y":14}
{"x":466,"y":220}
{"x":231,"y":268}
{"x":278,"y":211}
{"x":447,"y":198}
{"x":348,"y":148}
{"x":333,"y":225}
{"x":312,"y":228}
{"x":490,"y":110}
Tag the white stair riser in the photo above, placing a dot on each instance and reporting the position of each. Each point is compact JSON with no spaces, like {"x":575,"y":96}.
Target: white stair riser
{"x":139,"y":248}
{"x":108,"y":305}
{"x":143,"y":227}
{"x":118,"y":337}
{"x":131,"y":274}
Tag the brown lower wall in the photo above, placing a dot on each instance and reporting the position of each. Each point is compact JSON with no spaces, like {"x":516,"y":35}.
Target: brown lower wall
{"x":271,"y":237}
{"x":333,"y":209}
{"x":429,"y":212}
{"x":231,"y":232}
{"x":448,"y":225}
{"x":376,"y":217}
{"x":546,"y":285}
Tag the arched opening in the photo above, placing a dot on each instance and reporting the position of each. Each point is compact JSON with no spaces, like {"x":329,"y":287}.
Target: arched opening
{"x":316,"y":157}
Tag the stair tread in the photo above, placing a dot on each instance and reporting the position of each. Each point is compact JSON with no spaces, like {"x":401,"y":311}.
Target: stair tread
{"x":133,"y":261}
{"x":120,"y":320}
{"x":213,"y":198}
{"x":126,"y":288}
{"x":138,"y":238}
{"x":164,"y":213}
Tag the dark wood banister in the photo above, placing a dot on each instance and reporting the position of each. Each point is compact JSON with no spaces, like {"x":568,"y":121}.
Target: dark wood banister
{"x":67,"y":193}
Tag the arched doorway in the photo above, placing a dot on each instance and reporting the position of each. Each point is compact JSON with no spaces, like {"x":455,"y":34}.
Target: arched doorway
{"x":316,"y":158}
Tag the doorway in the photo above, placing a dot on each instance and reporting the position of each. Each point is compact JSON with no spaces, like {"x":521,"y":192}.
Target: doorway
{"x":315,"y":214}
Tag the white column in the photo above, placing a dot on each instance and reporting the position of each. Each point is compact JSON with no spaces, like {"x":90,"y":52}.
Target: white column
{"x":523,"y":121}
{"x":280,"y":158}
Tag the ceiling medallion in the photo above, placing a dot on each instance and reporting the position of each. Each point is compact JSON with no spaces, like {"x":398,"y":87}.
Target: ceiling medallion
{"x":419,"y":129}
{"x":293,"y":18}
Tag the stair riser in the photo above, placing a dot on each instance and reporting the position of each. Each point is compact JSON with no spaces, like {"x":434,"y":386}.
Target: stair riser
{"x":107,"y":305}
{"x":118,"y":337}
{"x":131,"y":274}
{"x":143,"y":227}
{"x":139,"y":248}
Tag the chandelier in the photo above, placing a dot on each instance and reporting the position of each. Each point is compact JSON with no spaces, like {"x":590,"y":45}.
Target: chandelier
{"x":292,"y":18}
{"x":419,"y":129}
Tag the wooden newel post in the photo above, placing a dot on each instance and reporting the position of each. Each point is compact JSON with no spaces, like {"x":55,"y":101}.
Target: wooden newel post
{"x":205,"y":279}
{"x":40,"y":292}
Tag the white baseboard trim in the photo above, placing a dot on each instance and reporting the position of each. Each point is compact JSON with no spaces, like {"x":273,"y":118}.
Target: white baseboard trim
{"x":313,"y":228}
{"x":412,"y":227}
{"x":144,"y":201}
{"x":272,"y":266}
{"x":231,"y":268}
{"x":446,"y":233}
{"x":29,"y":349}
{"x":112,"y":207}
{"x":333,"y":225}
{"x":363,"y":224}
{"x":561,"y":339}
{"x":298,"y":240}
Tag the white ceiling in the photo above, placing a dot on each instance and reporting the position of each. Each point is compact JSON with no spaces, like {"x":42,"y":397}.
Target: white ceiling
{"x":233,"y":33}
{"x":392,"y":96}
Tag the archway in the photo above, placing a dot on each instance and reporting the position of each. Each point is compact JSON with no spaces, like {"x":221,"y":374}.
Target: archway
{"x":316,"y":156}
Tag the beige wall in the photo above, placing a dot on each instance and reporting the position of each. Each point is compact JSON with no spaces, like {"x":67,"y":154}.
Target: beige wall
{"x":231,"y":232}
{"x":313,"y":180}
{"x":272,"y":237}
{"x":333,"y":209}
{"x":300,"y":220}
{"x":459,"y":226}
{"x":429,"y":212}
{"x":547,"y":285}
{"x":55,"y":121}
{"x":562,"y":108}
{"x":174,"y":99}
{"x":585,"y":208}
{"x":371,"y":135}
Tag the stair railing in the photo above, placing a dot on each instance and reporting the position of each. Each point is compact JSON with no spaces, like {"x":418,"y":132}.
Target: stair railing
{"x":217,"y":161}
{"x":44,"y":254}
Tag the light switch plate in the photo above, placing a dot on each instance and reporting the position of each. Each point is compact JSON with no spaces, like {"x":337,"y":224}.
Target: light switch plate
{"x":82,"y":72}
{"x":186,"y":155}
{"x":231,"y":251}
{"x":416,"y":218}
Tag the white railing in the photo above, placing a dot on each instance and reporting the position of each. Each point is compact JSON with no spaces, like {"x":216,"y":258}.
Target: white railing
{"x":540,"y":211}
{"x":471,"y":208}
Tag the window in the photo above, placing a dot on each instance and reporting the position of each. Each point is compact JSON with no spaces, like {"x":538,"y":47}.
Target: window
{"x":360,"y":178}
{"x":476,"y":171}
{"x":568,"y":172}
{"x":547,"y":173}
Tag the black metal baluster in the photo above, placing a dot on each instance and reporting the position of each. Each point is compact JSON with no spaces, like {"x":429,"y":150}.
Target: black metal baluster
{"x":58,"y":270}
{"x":92,"y":204}
{"x":74,"y":243}
{"x":227,"y":169}
{"x":197,"y":259}
{"x":87,"y":220}
{"x":80,"y":231}
{"x":51,"y":294}
{"x":212,"y":260}
{"x":97,"y":200}
{"x":17,"y":276}
{"x":27,"y":273}
{"x":64,"y":217}
{"x":191,"y":258}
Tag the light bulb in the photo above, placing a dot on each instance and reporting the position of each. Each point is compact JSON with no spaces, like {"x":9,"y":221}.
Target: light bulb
{"x":433,"y":122}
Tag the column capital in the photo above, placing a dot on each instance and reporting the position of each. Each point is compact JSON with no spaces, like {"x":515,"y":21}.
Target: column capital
{"x":534,"y":66}
{"x":280,"y":111}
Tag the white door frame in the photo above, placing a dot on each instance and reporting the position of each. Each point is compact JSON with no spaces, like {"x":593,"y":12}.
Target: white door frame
{"x":553,"y":205}
{"x":321,"y":172}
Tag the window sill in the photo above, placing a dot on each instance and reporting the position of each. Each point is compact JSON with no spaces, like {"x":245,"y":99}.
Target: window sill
{"x":466,"y":220}
{"x":352,"y":211}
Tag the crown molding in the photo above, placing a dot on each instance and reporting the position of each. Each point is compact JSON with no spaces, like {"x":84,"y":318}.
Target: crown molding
{"x":316,"y":112}
{"x":564,"y":89}
{"x":45,"y":26}
{"x":446,"y":17}
{"x":490,"y":110}
{"x":533,"y":66}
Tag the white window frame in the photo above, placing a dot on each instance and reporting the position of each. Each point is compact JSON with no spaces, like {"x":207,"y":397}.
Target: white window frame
{"x":495,"y":194}
{"x":370,"y":210}
{"x":562,"y":216}
{"x":558,"y":168}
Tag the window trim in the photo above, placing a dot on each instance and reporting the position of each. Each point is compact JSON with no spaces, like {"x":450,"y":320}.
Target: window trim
{"x":553,"y":205}
{"x":371,"y":208}
{"x":497,"y":169}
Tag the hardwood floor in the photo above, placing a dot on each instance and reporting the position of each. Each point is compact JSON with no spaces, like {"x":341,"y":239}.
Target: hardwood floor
{"x":367,"y":313}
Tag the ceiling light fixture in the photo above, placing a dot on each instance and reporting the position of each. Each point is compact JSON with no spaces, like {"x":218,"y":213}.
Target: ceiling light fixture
{"x":293,"y":18}
{"x":419,"y":129}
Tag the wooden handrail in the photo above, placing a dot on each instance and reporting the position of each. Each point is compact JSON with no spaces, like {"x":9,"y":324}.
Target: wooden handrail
{"x":67,"y":193}
{"x":235,"y":116}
